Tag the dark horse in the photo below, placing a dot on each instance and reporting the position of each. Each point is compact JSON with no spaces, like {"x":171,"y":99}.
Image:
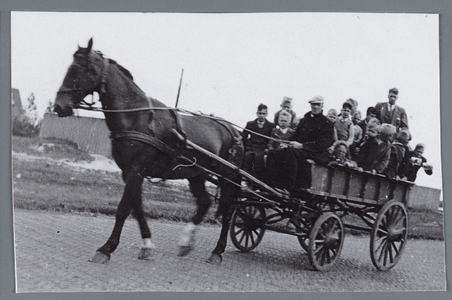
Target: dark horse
{"x":144,"y":145}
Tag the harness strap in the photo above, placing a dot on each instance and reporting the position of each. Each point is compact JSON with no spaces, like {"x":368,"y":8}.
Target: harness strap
{"x":142,"y":137}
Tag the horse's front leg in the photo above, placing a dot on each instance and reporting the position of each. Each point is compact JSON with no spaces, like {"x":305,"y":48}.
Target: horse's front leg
{"x":129,"y":200}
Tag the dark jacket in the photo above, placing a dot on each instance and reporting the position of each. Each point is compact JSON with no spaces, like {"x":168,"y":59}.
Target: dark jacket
{"x":316,"y":133}
{"x":398,"y":162}
{"x":397,"y":117}
{"x":415,"y":166}
{"x":254,"y":142}
{"x":278,"y":134}
{"x":365,"y":157}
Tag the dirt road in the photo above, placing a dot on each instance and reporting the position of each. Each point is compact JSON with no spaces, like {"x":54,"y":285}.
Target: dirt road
{"x":52,"y":252}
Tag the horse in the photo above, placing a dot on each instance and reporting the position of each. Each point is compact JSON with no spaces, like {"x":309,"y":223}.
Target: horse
{"x":144,"y":144}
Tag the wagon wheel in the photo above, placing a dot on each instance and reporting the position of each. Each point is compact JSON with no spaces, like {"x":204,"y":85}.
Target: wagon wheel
{"x":247,"y":227}
{"x":389,"y":235}
{"x":304,"y":238}
{"x":326,"y":241}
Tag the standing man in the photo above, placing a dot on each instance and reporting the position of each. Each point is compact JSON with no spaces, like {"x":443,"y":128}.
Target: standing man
{"x":288,"y":167}
{"x":254,"y":137}
{"x":390,"y":113}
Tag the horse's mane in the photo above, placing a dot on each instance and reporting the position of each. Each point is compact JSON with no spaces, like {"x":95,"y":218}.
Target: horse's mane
{"x":121,"y":68}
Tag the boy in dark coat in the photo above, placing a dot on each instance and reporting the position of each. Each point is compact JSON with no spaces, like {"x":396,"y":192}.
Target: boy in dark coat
{"x":254,"y":137}
{"x":364,"y":155}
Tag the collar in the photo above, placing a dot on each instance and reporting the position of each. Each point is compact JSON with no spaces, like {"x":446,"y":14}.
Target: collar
{"x":284,"y":130}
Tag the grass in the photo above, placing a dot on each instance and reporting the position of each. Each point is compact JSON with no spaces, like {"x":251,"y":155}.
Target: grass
{"x":49,"y":184}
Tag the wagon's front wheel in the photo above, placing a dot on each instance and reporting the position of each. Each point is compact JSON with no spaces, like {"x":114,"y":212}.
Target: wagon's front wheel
{"x":326,"y":241}
{"x":389,"y":235}
{"x":247,"y":227}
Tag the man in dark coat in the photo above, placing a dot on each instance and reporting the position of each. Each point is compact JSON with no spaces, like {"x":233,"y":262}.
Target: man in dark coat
{"x":390,"y":113}
{"x":254,"y":137}
{"x":288,"y":168}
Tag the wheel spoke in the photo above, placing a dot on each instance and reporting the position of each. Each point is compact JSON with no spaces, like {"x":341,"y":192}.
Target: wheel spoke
{"x":320,"y":248}
{"x":391,"y":256}
{"x":242,"y":237}
{"x":252,"y":238}
{"x":239,"y":231}
{"x":381,"y":249}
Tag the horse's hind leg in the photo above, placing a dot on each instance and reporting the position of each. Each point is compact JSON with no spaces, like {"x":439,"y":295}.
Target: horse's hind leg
{"x":147,"y":246}
{"x":198,"y":188}
{"x":228,"y":193}
{"x":131,"y":196}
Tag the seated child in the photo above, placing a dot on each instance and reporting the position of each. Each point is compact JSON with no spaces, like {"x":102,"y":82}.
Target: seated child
{"x":364,"y":154}
{"x":339,"y":156}
{"x":282,"y":132}
{"x":384,"y":148}
{"x":399,"y":159}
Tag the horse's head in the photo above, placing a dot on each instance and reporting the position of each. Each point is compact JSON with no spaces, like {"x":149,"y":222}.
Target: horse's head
{"x":83,"y":77}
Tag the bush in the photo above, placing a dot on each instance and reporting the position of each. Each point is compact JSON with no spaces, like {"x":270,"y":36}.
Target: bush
{"x":21,"y":126}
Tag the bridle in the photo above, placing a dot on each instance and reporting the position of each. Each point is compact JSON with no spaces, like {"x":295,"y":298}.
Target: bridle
{"x":81,"y":93}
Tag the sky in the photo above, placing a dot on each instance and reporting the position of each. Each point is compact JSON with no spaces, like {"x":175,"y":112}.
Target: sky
{"x":234,"y":62}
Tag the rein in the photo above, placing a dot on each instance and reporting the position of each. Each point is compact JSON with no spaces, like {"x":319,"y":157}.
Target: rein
{"x":89,"y":107}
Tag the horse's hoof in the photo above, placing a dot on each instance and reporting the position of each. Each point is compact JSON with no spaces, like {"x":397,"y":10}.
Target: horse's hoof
{"x":100,"y":258}
{"x":215,"y":259}
{"x":145,"y":254}
{"x":184,"y":250}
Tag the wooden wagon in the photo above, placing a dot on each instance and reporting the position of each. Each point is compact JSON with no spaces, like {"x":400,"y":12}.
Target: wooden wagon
{"x":319,"y":214}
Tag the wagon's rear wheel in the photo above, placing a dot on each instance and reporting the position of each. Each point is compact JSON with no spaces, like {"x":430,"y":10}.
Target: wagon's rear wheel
{"x":247,"y":227}
{"x":326,"y":241}
{"x":389,"y":235}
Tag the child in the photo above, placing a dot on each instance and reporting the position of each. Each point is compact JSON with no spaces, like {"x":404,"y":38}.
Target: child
{"x":339,"y":156}
{"x":416,"y":162}
{"x":398,"y":161}
{"x":286,"y":105}
{"x":282,"y":132}
{"x":255,"y":145}
{"x":365,"y":153}
{"x":358,"y":130}
{"x":344,"y":126}
{"x":332,"y":115}
{"x":384,"y":148}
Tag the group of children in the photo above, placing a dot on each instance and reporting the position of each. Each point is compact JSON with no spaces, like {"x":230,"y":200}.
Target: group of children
{"x":366,"y":145}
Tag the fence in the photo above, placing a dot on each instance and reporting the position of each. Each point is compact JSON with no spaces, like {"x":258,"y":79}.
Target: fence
{"x":90,"y":134}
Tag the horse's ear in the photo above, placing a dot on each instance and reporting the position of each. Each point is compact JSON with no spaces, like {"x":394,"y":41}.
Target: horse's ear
{"x":90,"y":45}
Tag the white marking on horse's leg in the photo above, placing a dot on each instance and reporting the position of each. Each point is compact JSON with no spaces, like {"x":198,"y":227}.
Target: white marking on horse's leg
{"x":147,"y":244}
{"x":188,"y":235}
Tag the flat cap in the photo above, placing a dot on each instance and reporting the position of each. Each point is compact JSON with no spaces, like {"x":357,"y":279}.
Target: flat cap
{"x":316,"y":99}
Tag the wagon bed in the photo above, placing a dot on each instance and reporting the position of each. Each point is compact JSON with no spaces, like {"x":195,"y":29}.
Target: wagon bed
{"x":317,"y":215}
